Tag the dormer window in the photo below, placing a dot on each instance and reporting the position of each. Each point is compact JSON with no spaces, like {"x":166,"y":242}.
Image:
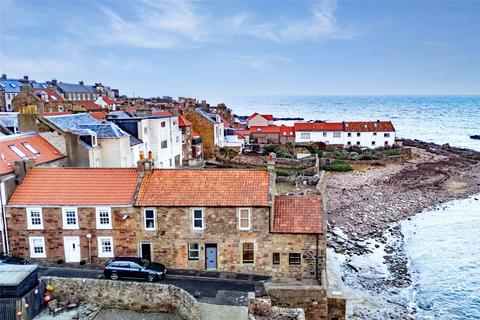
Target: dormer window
{"x":30,"y":148}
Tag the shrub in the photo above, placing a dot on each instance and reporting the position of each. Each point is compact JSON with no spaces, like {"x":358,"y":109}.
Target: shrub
{"x":391,"y":153}
{"x":228,"y":152}
{"x":338,"y":166}
{"x":282,"y":152}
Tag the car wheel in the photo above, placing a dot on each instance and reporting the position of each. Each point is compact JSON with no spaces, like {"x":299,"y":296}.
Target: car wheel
{"x":114,"y":276}
{"x":151,"y":278}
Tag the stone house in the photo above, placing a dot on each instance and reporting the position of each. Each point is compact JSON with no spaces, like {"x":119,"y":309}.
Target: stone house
{"x":20,"y":152}
{"x":73,"y":214}
{"x":210,"y":127}
{"x":230,"y":221}
{"x":74,"y":91}
{"x":272,"y":134}
{"x":260,"y":120}
{"x":10,"y":88}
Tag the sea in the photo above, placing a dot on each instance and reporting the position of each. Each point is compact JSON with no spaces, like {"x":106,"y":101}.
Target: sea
{"x":443,"y":246}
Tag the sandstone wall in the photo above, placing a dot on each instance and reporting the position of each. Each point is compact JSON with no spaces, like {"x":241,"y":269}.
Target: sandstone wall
{"x":173,"y":233}
{"x":205,"y":129}
{"x":138,"y":296}
{"x":312,"y":299}
{"x":122,"y":232}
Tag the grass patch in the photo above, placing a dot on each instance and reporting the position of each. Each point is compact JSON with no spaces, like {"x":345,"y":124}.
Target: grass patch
{"x":285,"y":172}
{"x":391,"y":153}
{"x":338,"y":166}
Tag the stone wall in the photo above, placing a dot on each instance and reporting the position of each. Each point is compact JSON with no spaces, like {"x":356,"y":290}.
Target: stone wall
{"x":205,"y":129}
{"x":122,"y":232}
{"x":312,"y":299}
{"x":137,"y":296}
{"x":262,"y":161}
{"x":169,"y":242}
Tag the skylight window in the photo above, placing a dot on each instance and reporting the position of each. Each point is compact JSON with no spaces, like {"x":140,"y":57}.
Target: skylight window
{"x":30,"y":148}
{"x":2,"y":85}
{"x":13,"y":86}
{"x":18,"y":152}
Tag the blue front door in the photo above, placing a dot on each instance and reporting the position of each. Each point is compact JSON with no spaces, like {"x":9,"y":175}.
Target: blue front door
{"x":211,"y":257}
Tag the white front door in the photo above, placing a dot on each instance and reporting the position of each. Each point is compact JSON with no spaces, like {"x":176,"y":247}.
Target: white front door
{"x":72,"y":249}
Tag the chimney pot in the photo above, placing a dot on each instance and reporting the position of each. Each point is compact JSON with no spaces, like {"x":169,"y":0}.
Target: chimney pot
{"x":142,"y":155}
{"x":25,"y":78}
{"x":150,"y":155}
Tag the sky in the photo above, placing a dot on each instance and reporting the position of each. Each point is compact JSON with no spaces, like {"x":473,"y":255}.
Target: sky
{"x":215,"y":48}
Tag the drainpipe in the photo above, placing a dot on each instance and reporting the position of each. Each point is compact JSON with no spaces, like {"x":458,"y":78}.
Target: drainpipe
{"x":316,"y":262}
{"x":5,"y":246}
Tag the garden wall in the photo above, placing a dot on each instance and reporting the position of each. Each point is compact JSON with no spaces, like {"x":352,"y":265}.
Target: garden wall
{"x":137,"y":296}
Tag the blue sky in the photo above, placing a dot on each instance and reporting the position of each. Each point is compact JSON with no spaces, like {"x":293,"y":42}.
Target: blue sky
{"x":215,"y":48}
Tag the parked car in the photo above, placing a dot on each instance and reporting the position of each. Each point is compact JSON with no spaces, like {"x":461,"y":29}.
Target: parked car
{"x":5,"y":258}
{"x":134,"y":267}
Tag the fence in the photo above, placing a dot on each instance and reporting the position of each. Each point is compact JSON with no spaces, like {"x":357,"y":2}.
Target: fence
{"x":29,"y":306}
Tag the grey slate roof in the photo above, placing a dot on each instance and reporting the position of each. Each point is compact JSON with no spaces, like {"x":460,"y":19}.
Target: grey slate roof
{"x":209,"y":116}
{"x":9,"y":120}
{"x":12,"y":274}
{"x":77,"y":88}
{"x":134,"y":141}
{"x":83,"y":121}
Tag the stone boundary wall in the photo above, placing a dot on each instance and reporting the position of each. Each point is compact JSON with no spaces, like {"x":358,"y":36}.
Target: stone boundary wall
{"x":262,"y":308}
{"x":137,"y":296}
{"x":250,"y":160}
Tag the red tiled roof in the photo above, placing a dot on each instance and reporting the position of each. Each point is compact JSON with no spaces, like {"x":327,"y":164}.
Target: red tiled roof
{"x":287,"y":131}
{"x":76,"y":186}
{"x":183,"y":122}
{"x":269,"y":117}
{"x":107,"y":100}
{"x":298,"y":214}
{"x":52,"y":94}
{"x":369,"y":126}
{"x":205,"y":187}
{"x":162,"y":113}
{"x":87,"y":105}
{"x":320,"y":126}
{"x":243,"y":132}
{"x":99,"y":115}
{"x":264,"y":129}
{"x":46,"y":152}
{"x":195,"y":134}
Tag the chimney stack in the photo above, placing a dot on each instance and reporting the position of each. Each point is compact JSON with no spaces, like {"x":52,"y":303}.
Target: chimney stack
{"x":272,"y":186}
{"x":25,"y":78}
{"x":21,"y":168}
{"x":54,"y":82}
{"x":80,"y":83}
{"x":145,"y":166}
{"x":4,"y":76}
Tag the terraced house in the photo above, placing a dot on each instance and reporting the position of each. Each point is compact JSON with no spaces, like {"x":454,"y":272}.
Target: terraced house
{"x":198,"y":219}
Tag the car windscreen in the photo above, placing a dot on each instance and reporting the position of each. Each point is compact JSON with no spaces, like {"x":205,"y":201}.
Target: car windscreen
{"x":144,"y":263}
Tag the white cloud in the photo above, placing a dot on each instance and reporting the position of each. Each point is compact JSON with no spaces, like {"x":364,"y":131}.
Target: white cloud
{"x":258,"y":62}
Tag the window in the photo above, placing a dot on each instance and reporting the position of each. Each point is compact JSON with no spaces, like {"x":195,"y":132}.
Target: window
{"x":177,"y":138}
{"x":163,"y":124}
{"x":305,"y":135}
{"x":34,"y":219}
{"x":373,"y":143}
{"x":164,"y":144}
{"x":294,"y":258}
{"x":145,"y":130}
{"x":244,"y":217}
{"x":105,"y":247}
{"x":276,"y":258}
{"x":70,"y":218}
{"x":37,"y":247}
{"x":374,"y":134}
{"x":30,"y":148}
{"x":358,"y":143}
{"x":247,"y":248}
{"x":197,"y":219}
{"x":324,"y":134}
{"x":193,"y":251}
{"x":349,"y":143}
{"x":18,"y":152}
{"x":149,"y":217}
{"x":104,"y":218}
{"x":358,"y":134}
{"x":349,"y":134}
{"x":386,"y":135}
{"x":337,"y":134}
{"x":386,"y":143}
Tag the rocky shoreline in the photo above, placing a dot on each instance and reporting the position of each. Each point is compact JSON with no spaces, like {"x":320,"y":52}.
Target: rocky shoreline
{"x":366,"y":206}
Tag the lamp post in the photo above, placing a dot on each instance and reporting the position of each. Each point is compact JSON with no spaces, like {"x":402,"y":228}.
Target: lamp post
{"x":89,"y":237}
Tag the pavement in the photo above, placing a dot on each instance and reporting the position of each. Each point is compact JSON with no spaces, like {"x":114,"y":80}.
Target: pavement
{"x":220,"y":290}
